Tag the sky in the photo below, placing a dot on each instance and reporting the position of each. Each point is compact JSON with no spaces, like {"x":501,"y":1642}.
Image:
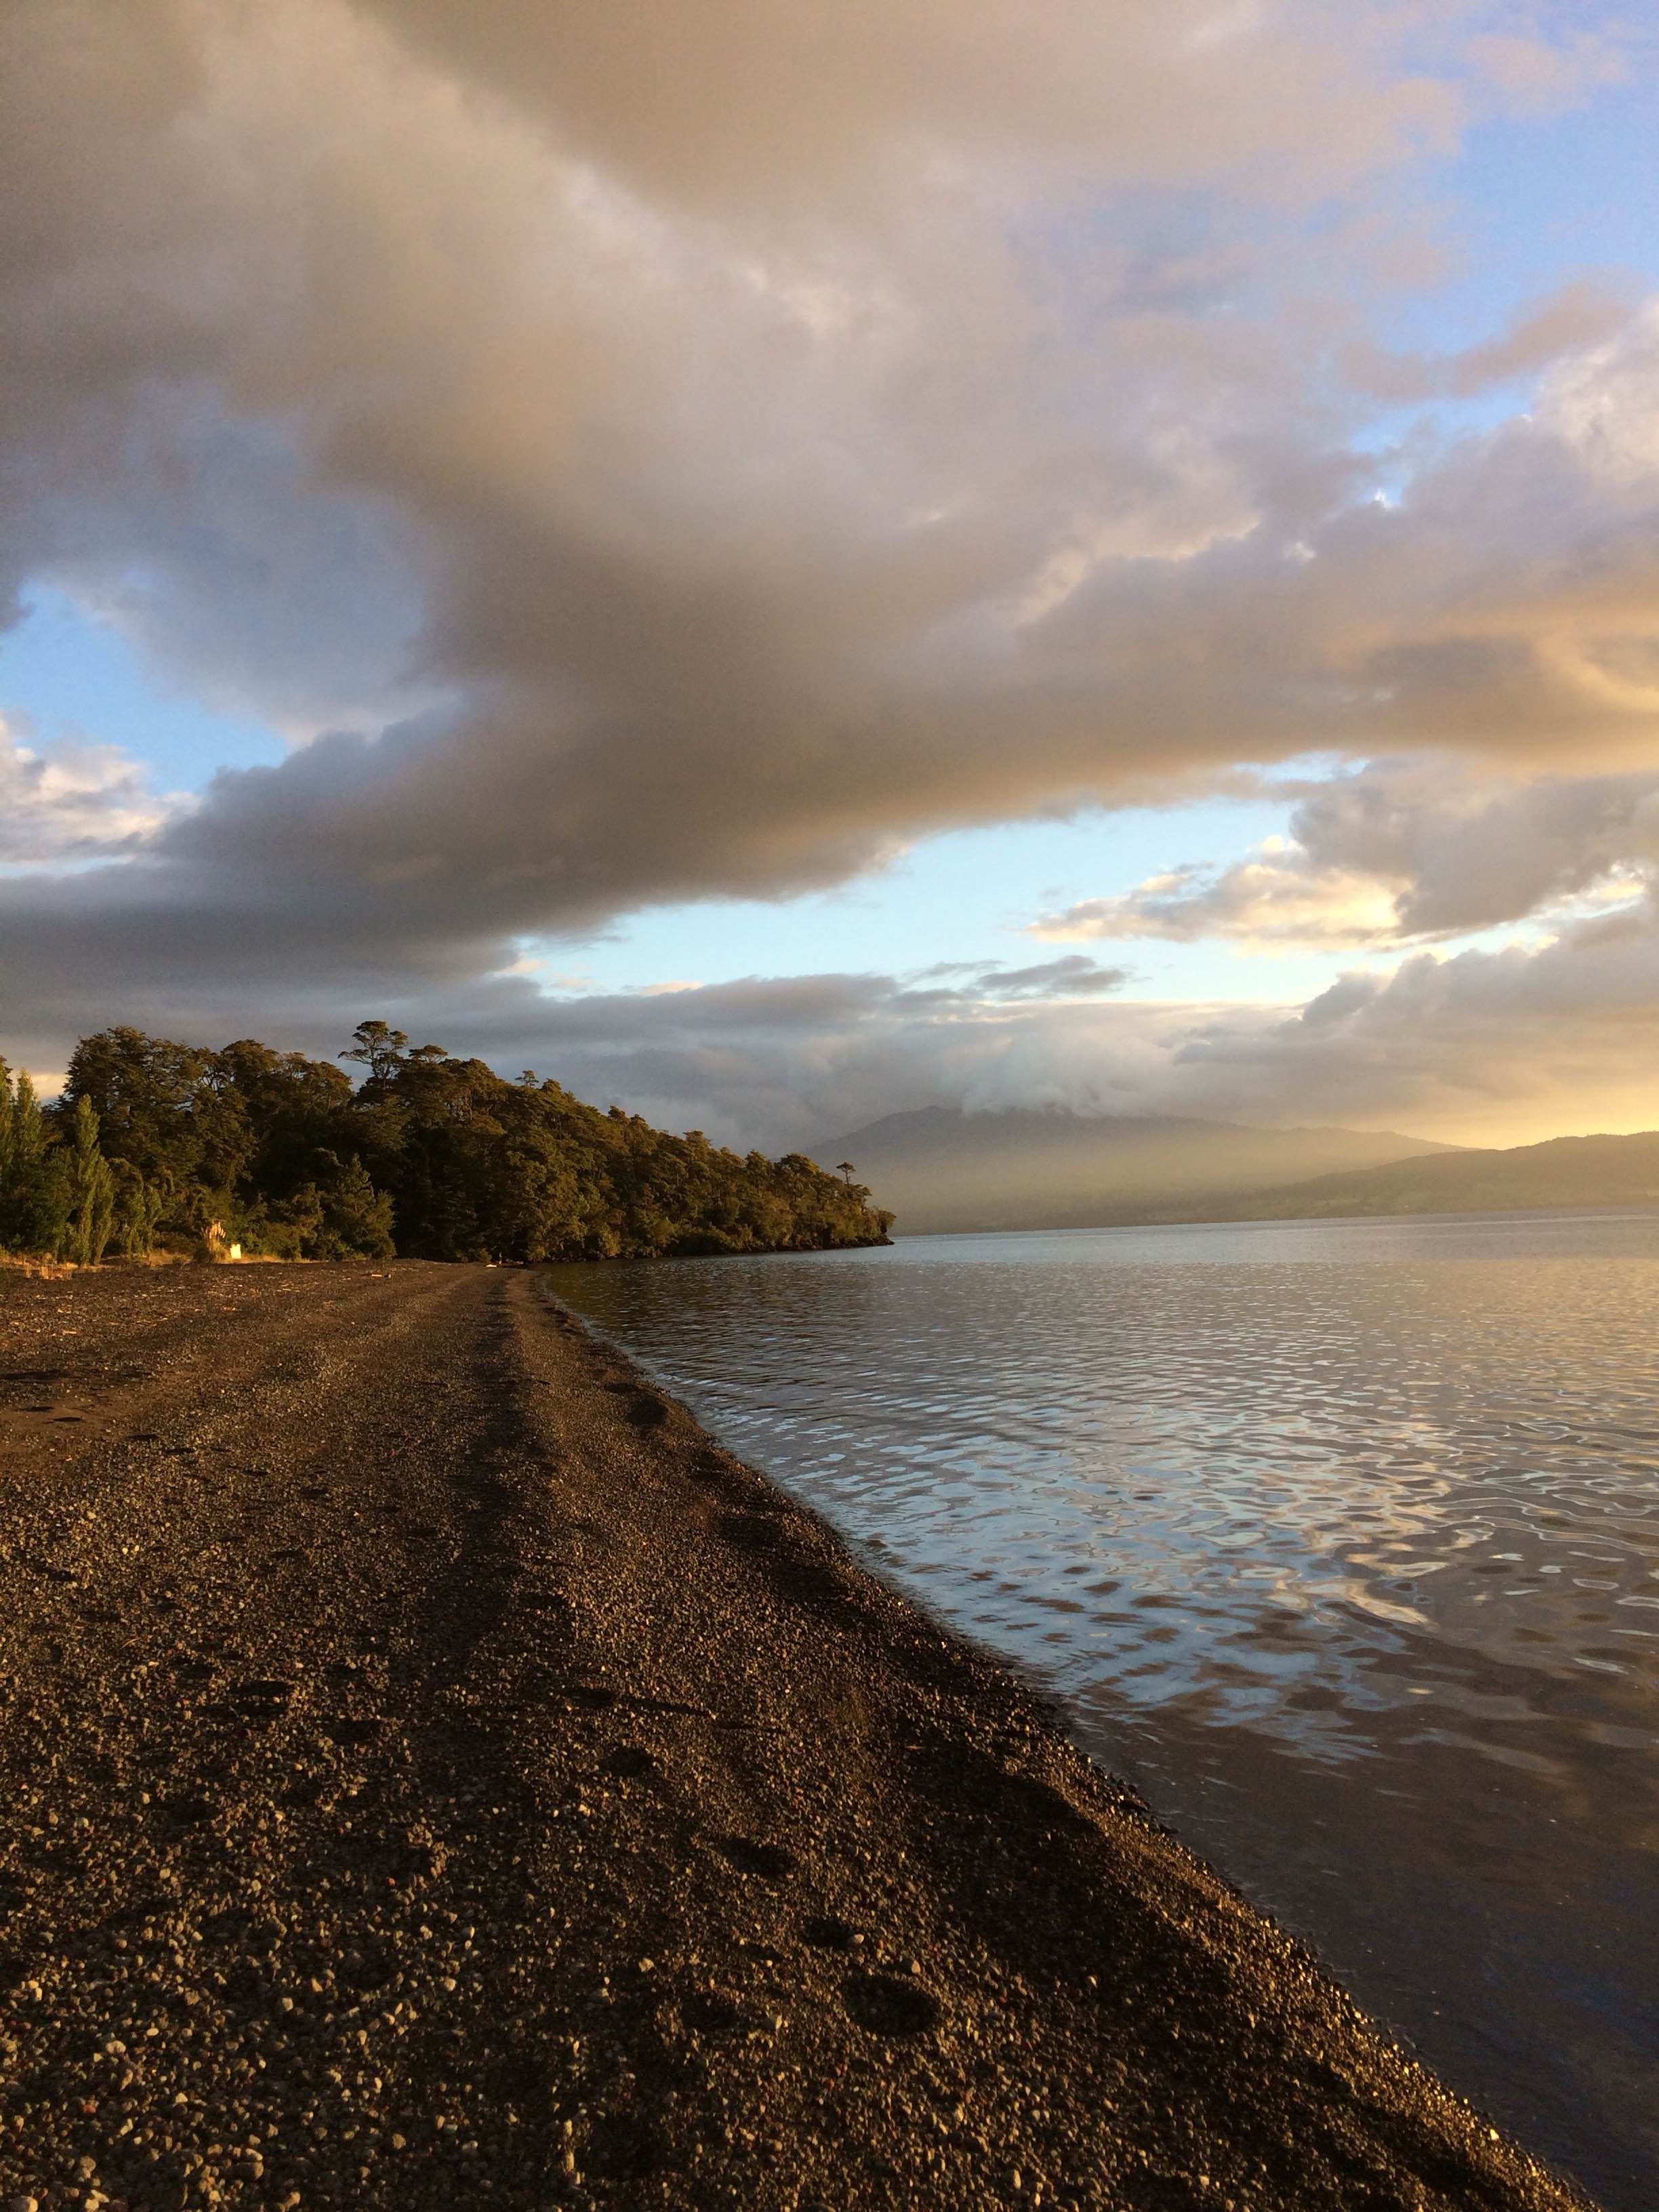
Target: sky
{"x":783,"y":565}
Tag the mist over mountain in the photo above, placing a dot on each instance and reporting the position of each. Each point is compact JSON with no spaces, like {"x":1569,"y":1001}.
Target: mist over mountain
{"x":1594,"y":1170}
{"x":939,"y":1169}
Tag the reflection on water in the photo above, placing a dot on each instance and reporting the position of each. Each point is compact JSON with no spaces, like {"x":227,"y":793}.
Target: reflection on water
{"x":1340,"y":1538}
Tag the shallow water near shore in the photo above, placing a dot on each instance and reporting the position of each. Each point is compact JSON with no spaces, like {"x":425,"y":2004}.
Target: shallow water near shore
{"x":1341,"y":1540}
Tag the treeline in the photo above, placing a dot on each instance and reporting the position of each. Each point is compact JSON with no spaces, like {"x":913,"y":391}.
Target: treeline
{"x":161,"y":1147}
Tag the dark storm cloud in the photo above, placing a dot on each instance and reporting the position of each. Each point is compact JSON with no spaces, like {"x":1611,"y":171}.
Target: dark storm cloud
{"x":660,"y":453}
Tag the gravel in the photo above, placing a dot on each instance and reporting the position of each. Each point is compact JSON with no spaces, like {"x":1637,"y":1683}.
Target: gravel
{"x":435,"y":1775}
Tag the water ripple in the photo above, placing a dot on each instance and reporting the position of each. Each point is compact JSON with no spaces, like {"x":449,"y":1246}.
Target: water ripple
{"x":1343,"y":1539}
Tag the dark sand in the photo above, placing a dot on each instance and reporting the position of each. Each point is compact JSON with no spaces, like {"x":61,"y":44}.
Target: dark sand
{"x":434,"y":1775}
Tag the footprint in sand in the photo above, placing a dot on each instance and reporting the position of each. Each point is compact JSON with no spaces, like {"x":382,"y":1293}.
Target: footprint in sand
{"x":770,"y":1861}
{"x":828,"y":1934}
{"x":882,"y":2004}
{"x":262,"y":1700}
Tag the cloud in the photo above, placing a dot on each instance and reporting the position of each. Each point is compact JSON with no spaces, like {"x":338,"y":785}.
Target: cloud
{"x":643,"y":454}
{"x":1485,"y":1047}
{"x":1401,"y":852}
{"x":790,"y":1061}
{"x":745,"y":111}
{"x":1279,"y":898}
{"x":676,"y":444}
{"x":1577,"y":318}
{"x":74,"y":802}
{"x":1542,"y":76}
{"x":1074,"y":977}
{"x":1481,"y":1046}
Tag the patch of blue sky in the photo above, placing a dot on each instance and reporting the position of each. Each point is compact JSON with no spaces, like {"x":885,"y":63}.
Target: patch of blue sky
{"x":1529,"y":204}
{"x":67,"y":677}
{"x":1532,"y":203}
{"x":968,"y":895}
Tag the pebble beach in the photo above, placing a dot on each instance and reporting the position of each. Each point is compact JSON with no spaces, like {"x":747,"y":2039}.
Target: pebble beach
{"x":437,"y":1773}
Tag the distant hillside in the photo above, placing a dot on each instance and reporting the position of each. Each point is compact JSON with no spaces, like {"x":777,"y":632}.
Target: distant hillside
{"x":1563,"y":1171}
{"x":940,"y":1169}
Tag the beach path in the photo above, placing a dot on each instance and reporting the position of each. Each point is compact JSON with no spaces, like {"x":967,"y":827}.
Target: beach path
{"x":433,"y":1773}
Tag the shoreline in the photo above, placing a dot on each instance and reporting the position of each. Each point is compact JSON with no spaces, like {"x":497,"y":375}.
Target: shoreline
{"x":419,"y":1734}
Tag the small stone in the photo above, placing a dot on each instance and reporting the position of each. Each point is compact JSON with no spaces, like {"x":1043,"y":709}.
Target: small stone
{"x":21,"y":2204}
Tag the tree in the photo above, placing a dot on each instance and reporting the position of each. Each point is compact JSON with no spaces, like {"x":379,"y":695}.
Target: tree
{"x":28,"y":1127}
{"x":90,"y":1214}
{"x":356,"y":1218}
{"x":380,"y":1049}
{"x":139,"y":1207}
{"x":169,"y":1110}
{"x":35,"y":1206}
{"x":431,"y":1155}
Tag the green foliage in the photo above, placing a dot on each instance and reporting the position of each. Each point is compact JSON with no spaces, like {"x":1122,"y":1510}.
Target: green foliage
{"x":35,"y":1189}
{"x":89,"y":1220}
{"x":155,"y":1141}
{"x":169,"y":1111}
{"x":139,"y":1207}
{"x":28,"y":1129}
{"x":482,"y":1168}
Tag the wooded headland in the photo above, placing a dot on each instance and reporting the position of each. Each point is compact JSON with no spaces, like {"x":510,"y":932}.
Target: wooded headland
{"x":158,"y":1145}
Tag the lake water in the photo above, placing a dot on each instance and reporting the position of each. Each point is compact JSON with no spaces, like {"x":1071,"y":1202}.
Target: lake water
{"x":1341,"y":1540}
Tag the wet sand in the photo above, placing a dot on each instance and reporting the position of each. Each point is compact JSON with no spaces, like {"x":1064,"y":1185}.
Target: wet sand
{"x":435,"y":1775}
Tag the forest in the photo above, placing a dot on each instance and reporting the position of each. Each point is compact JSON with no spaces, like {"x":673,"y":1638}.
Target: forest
{"x":161,"y":1148}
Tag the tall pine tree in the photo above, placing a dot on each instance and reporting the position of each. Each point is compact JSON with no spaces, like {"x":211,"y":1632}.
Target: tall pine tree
{"x":90,"y":1215}
{"x":35,"y":1207}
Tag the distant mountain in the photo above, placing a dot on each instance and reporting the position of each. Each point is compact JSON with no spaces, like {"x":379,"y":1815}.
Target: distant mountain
{"x":939,"y":1169}
{"x":1563,"y":1171}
